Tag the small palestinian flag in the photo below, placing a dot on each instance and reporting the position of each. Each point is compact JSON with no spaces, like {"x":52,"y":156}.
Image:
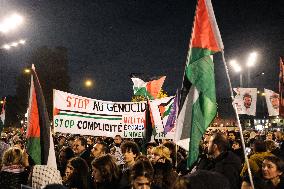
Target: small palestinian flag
{"x":148,"y":89}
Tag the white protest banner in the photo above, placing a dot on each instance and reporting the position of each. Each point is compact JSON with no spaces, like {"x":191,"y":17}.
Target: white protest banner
{"x":160,"y":109}
{"x":272,"y":101}
{"x":245,"y":100}
{"x":80,"y":115}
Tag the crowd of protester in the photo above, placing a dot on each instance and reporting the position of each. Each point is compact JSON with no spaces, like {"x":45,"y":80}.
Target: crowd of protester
{"x":88,"y":162}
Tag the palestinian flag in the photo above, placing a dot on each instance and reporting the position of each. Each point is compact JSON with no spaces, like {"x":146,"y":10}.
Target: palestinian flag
{"x":2,"y":115}
{"x":197,"y":106}
{"x":39,"y":140}
{"x":149,"y":89}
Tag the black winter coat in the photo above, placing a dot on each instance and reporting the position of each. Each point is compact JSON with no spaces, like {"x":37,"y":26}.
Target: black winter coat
{"x":228,"y":164}
{"x":10,"y":180}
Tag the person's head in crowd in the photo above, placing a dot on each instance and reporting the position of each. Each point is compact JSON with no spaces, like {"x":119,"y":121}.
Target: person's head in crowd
{"x":252,"y":135}
{"x":130,"y":151}
{"x":100,"y":149}
{"x":270,"y":145}
{"x":150,"y":146}
{"x":236,"y":145}
{"x":61,"y":140}
{"x":76,"y":174}
{"x":259,"y":146}
{"x":171,"y":146}
{"x":71,"y":141}
{"x":165,"y":140}
{"x":206,"y":136}
{"x":65,"y":154}
{"x":231,"y":136}
{"x":117,"y":140}
{"x":105,"y":171}
{"x":202,"y":179}
{"x":15,"y":138}
{"x":79,"y":145}
{"x":19,"y":144}
{"x":273,"y":169}
{"x":218,"y":144}
{"x":142,"y":174}
{"x":98,"y":139}
{"x":269,"y":136}
{"x":161,"y":154}
{"x":4,"y":137}
{"x":278,"y":136}
{"x":15,"y":156}
{"x":90,"y":141}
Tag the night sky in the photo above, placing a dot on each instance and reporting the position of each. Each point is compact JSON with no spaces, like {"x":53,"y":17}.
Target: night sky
{"x":109,"y":39}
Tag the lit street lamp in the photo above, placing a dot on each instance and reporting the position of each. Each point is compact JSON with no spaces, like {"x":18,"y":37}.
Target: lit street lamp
{"x":88,"y":83}
{"x":250,"y":63}
{"x":10,"y":23}
{"x":8,"y":46}
{"x":237,"y":68}
{"x":27,"y":71}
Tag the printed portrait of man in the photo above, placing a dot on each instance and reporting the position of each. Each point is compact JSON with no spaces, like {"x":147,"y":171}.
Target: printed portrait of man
{"x":247,"y":99}
{"x":274,"y":99}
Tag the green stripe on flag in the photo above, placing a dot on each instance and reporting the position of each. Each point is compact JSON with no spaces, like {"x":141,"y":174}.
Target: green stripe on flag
{"x":201,"y":75}
{"x":34,"y":149}
{"x":93,"y":117}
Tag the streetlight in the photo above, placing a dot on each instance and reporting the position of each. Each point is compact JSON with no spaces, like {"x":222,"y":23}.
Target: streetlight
{"x":88,"y":83}
{"x":27,"y":71}
{"x":237,"y":68}
{"x":10,"y":23}
{"x":250,"y":63}
{"x":8,"y":46}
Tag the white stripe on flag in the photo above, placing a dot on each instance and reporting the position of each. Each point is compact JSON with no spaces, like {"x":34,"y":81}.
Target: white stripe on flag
{"x":184,"y":119}
{"x":51,"y":161}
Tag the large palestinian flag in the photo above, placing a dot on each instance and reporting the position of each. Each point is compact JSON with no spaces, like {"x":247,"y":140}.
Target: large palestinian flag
{"x":39,"y":140}
{"x":197,"y":106}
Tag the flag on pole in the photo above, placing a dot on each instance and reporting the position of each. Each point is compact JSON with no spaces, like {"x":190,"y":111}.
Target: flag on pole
{"x":197,"y":106}
{"x":148,"y":89}
{"x":2,"y":115}
{"x":39,"y":139}
{"x":272,"y":102}
{"x":281,"y":87}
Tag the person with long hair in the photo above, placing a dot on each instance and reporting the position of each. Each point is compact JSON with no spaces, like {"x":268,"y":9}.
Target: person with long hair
{"x":164,"y":175}
{"x":77,"y":174}
{"x":65,"y":154}
{"x":106,"y":174}
{"x":13,"y":172}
